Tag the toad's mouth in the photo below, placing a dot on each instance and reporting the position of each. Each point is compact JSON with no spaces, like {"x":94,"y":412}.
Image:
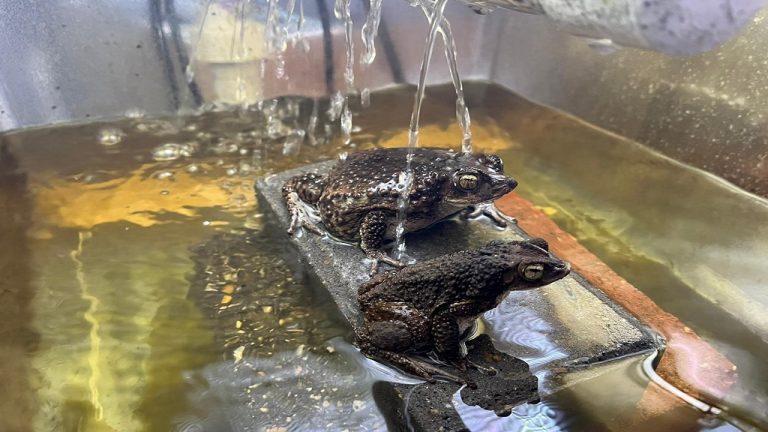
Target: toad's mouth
{"x":503,"y":185}
{"x":560,"y":271}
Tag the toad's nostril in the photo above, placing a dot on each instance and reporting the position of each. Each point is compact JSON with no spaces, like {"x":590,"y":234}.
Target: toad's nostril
{"x":512,"y":183}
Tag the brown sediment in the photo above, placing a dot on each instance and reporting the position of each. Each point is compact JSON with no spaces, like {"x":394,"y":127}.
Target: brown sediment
{"x":688,"y":363}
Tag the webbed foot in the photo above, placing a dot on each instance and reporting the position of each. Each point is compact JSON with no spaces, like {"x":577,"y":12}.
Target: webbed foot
{"x":490,"y":210}
{"x":299,"y":216}
{"x":377,"y":257}
{"x":414,"y":366}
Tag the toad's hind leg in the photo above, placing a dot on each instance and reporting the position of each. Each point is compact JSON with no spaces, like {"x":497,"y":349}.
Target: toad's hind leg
{"x":373,"y":230}
{"x":385,"y":340}
{"x":305,"y":188}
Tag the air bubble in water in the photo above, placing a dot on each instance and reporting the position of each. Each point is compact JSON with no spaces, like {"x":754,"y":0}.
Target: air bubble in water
{"x":365,"y":97}
{"x":163,"y":175}
{"x":173,"y":151}
{"x":110,"y":136}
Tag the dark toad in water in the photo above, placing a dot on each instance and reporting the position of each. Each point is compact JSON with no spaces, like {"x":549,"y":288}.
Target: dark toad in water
{"x":359,"y":199}
{"x":430,"y":306}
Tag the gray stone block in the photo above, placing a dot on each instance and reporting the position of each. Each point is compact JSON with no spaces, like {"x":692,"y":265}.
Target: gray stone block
{"x":565,"y":325}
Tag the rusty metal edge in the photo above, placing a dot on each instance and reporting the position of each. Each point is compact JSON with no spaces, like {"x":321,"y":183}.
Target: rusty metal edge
{"x":688,"y":362}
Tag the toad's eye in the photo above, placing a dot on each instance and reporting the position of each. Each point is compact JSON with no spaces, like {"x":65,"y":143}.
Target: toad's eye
{"x":533,"y":272}
{"x":468,"y":181}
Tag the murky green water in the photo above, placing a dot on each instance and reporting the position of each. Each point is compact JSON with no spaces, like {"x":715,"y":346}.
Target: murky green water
{"x":142,"y":290}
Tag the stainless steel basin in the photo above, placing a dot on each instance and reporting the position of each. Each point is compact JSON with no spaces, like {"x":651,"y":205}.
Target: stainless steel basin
{"x":82,"y":61}
{"x":76,"y":62}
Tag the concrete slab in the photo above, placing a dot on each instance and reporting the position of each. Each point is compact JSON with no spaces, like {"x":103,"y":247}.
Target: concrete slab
{"x":565,"y":325}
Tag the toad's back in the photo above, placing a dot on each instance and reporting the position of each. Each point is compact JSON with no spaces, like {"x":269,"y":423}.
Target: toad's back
{"x":371,"y":180}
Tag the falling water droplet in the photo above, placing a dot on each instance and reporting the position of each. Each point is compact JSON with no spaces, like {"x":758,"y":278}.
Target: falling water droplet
{"x":369,"y":32}
{"x":336,"y":105}
{"x":346,"y":123}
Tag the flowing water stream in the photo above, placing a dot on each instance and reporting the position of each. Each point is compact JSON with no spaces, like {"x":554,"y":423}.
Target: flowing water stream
{"x":406,"y":180}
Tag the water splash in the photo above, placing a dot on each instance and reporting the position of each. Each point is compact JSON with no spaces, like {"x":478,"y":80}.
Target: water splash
{"x":277,"y":36}
{"x":365,"y":97}
{"x":189,"y":69}
{"x":173,"y":151}
{"x":298,"y":36}
{"x":346,"y":122}
{"x":342,"y":11}
{"x":239,"y":56}
{"x":369,"y":32}
{"x":312,"y":123}
{"x":336,"y":106}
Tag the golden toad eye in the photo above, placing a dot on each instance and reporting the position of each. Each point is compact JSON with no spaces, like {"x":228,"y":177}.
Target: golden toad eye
{"x":533,"y":272}
{"x":468,"y":181}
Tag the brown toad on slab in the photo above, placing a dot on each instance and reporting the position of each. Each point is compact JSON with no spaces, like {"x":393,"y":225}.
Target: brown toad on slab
{"x":430,"y":306}
{"x":358,"y":200}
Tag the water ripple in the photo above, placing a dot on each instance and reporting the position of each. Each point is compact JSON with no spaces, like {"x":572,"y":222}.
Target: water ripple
{"x":519,"y":331}
{"x":290,"y":391}
{"x":544,"y":416}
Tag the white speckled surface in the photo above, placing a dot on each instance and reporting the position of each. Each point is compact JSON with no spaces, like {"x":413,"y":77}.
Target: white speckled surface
{"x":680,"y":27}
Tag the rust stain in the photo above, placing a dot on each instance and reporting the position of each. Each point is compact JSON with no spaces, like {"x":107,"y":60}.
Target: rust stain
{"x":138,"y":198}
{"x":688,"y":363}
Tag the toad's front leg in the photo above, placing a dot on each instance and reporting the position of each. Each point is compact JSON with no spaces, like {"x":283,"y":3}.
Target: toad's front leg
{"x":373,"y":230}
{"x":489,"y":210}
{"x":298,"y":190}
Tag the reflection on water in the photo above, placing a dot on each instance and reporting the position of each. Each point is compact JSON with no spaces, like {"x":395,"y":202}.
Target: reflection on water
{"x":694,"y":244}
{"x":527,"y":331}
{"x":294,"y":391}
{"x":543,"y":416}
{"x":616,"y":395}
{"x":147,"y":292}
